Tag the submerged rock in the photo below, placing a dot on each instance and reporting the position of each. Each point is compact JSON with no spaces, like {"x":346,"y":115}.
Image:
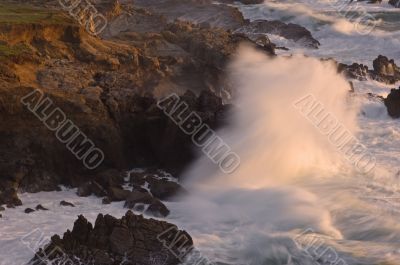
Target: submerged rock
{"x":111,"y":241}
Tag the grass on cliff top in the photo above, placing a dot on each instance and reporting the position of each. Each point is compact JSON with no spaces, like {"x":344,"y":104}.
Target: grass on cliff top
{"x":24,"y":14}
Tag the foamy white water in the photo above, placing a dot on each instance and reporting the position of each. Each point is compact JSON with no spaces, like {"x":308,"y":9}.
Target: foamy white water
{"x":290,"y":179}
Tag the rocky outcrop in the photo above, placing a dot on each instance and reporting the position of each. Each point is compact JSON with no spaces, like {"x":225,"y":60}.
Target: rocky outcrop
{"x":148,"y":188}
{"x":354,"y":71}
{"x":159,"y":183}
{"x":111,"y":241}
{"x":109,"y":90}
{"x":289,"y":31}
{"x":228,"y":17}
{"x":392,"y":103}
{"x":384,"y":70}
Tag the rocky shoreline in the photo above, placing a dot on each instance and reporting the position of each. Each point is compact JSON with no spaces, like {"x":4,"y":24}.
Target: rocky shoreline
{"x":108,"y":87}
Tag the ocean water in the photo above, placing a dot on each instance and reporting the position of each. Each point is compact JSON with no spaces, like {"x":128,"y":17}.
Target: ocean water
{"x":292,"y":183}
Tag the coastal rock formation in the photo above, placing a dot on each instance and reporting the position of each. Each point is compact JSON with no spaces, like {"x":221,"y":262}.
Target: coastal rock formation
{"x":392,"y":103}
{"x":385,"y":71}
{"x":289,"y":31}
{"x":228,"y":17}
{"x":111,"y":241}
{"x":109,"y":90}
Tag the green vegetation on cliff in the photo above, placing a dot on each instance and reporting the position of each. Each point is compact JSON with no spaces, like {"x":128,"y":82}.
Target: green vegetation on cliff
{"x":24,"y":14}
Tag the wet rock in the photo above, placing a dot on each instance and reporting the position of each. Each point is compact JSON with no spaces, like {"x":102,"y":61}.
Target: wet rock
{"x":132,"y":239}
{"x":91,"y":187}
{"x":39,"y":207}
{"x":2,"y":208}
{"x":65,"y":203}
{"x":118,"y":194}
{"x":385,"y":70}
{"x":158,"y":182}
{"x":137,"y":197}
{"x":164,"y":189}
{"x":10,"y":198}
{"x":157,"y":209}
{"x":29,"y":210}
{"x":106,"y":200}
{"x":354,"y":71}
{"x":392,"y":103}
{"x":289,"y":31}
{"x":139,"y":200}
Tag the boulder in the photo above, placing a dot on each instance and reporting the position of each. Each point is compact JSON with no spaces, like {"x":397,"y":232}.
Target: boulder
{"x":91,"y":187}
{"x":118,"y":194}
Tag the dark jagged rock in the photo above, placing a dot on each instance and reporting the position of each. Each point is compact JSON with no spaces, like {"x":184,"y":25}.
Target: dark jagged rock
{"x":132,"y":239}
{"x":392,"y":103}
{"x":65,"y":203}
{"x":354,"y":71}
